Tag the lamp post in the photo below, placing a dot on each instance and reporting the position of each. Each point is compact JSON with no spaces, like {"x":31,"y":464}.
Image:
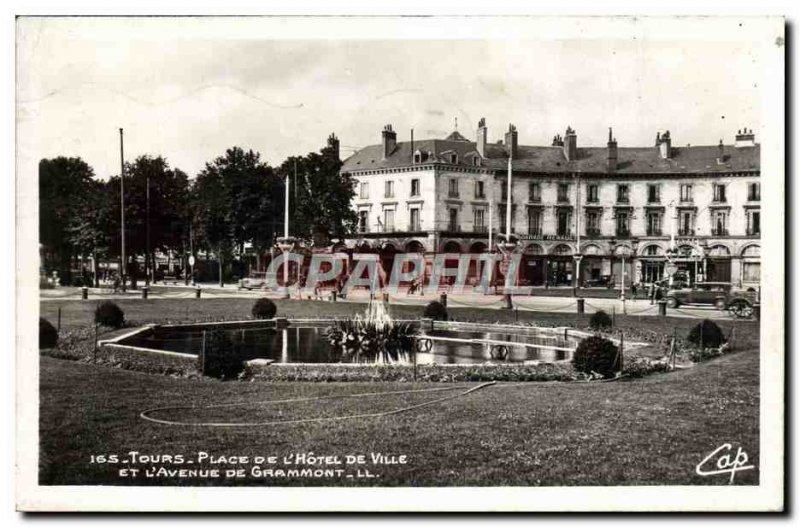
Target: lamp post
{"x":508,"y":245}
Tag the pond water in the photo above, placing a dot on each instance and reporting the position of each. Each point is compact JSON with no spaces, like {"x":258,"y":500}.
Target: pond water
{"x":307,"y":343}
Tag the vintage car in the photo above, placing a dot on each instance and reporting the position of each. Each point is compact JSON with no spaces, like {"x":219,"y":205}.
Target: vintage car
{"x":254,"y":281}
{"x":719,"y":294}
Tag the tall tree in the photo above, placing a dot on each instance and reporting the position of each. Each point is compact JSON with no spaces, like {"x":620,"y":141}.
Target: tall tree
{"x":168,"y":199}
{"x":63,"y":183}
{"x":92,"y":231}
{"x":320,"y":197}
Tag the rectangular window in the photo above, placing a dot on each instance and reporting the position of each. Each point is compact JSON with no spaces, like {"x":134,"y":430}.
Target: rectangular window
{"x":623,"y":224}
{"x":478,"y":222}
{"x":654,"y":224}
{"x":389,"y":192}
{"x":593,"y":223}
{"x":686,"y":223}
{"x":388,"y":220}
{"x":719,"y":223}
{"x":751,"y":271}
{"x":719,"y":193}
{"x":653,"y":193}
{"x":504,"y":192}
{"x":414,"y":187}
{"x":453,"y":221}
{"x":534,"y":222}
{"x":479,"y":190}
{"x":754,"y":192}
{"x":453,"y":189}
{"x":591,"y":194}
{"x":414,"y":221}
{"x":563,"y":223}
{"x":623,"y":193}
{"x":364,"y":190}
{"x":535,"y":192}
{"x":363,"y":221}
{"x":563,"y":192}
{"x":753,"y":223}
{"x":686,"y":192}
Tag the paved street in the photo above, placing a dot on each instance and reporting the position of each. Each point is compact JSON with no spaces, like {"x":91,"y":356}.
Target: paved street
{"x":563,"y":304}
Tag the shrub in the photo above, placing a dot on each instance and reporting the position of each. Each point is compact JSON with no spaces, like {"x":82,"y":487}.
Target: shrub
{"x":706,"y":334}
{"x":109,"y":314}
{"x":600,"y":320}
{"x":222,"y":358}
{"x":264,"y":308}
{"x":597,"y":354}
{"x":436,"y":311}
{"x":48,"y":336}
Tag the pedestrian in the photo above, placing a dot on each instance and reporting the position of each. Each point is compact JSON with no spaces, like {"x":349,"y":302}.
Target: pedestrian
{"x":652,"y":293}
{"x":633,"y":290}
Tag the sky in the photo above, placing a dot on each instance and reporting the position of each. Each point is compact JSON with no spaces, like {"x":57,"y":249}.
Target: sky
{"x":189,"y":89}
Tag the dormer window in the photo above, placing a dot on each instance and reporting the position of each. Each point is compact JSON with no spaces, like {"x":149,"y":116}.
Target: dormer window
{"x":453,"y":158}
{"x":420,"y":157}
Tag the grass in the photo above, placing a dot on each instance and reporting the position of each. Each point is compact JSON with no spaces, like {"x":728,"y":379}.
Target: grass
{"x":650,"y":431}
{"x":644,"y":432}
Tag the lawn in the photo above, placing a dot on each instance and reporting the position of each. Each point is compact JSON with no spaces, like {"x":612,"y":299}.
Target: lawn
{"x":650,"y":431}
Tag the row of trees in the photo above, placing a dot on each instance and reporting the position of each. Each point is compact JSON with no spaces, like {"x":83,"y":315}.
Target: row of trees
{"x":236,"y":199}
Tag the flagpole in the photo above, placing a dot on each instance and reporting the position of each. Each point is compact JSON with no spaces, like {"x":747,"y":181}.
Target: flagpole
{"x":122,"y":208}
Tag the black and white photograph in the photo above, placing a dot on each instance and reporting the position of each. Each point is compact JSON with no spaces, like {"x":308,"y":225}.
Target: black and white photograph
{"x":444,"y":263}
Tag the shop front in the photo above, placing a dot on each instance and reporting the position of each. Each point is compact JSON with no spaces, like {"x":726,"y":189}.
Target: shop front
{"x":534,"y":264}
{"x":651,"y":264}
{"x":561,"y":266}
{"x":718,"y":264}
{"x":594,"y":270}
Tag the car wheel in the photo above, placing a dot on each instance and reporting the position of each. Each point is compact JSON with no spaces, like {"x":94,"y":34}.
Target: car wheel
{"x":672,"y":303}
{"x":742,"y":309}
{"x":719,"y":303}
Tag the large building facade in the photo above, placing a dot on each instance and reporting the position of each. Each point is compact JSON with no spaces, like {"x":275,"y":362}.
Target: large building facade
{"x":647,"y":210}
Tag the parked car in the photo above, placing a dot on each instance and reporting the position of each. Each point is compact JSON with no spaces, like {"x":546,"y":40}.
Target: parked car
{"x":719,"y":294}
{"x":606,"y":281}
{"x":254,"y":281}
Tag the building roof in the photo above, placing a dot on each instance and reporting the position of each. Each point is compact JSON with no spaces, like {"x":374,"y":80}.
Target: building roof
{"x":630,"y":160}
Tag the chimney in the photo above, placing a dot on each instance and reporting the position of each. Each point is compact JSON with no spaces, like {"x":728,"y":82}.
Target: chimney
{"x":558,"y":140}
{"x":511,"y":140}
{"x":664,"y":145}
{"x":720,"y":153}
{"x":745,"y":137}
{"x":481,"y":139}
{"x":611,"y":163}
{"x":333,"y":145}
{"x":389,"y":138}
{"x":570,"y":144}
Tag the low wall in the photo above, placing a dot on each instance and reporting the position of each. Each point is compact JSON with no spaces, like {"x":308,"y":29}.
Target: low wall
{"x":147,"y":360}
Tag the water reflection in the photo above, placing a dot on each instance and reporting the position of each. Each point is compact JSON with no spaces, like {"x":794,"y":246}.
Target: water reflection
{"x":307,"y":343}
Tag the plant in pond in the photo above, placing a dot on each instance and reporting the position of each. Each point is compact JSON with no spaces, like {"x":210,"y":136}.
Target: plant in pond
{"x":221,"y":357}
{"x":597,"y":354}
{"x":361,"y":340}
{"x":374,"y":338}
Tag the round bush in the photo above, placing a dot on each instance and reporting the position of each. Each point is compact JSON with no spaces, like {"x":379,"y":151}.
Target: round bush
{"x":109,"y":314}
{"x":222,"y":358}
{"x":600,"y":320}
{"x":597,"y":354}
{"x":436,"y":311}
{"x":706,"y":334}
{"x":48,"y":336}
{"x":264,"y":308}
